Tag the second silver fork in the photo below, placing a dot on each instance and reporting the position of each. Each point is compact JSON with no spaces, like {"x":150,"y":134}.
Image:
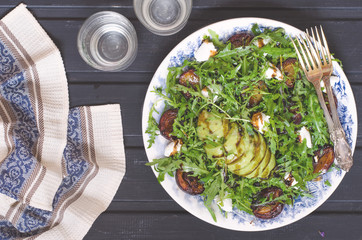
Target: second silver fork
{"x":316,"y":60}
{"x":343,"y":152}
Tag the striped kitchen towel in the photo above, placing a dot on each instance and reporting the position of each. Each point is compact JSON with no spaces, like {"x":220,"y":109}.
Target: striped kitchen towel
{"x":59,"y":168}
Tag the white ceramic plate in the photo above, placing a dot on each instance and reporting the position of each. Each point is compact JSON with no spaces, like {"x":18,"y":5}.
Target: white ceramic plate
{"x":239,"y":220}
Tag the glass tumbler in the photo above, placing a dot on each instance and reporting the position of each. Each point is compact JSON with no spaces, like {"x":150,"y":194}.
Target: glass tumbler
{"x":107,"y":41}
{"x":163,"y":17}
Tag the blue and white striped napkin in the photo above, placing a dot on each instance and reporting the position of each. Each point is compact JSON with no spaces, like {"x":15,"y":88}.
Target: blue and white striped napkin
{"x":59,"y":168}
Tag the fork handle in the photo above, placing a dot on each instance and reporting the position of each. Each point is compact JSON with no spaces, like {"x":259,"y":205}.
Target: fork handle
{"x":317,"y":86}
{"x":342,"y":150}
{"x":332,"y":103}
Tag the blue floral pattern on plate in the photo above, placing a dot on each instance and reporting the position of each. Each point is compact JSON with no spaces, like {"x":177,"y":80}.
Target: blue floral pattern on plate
{"x":239,"y":220}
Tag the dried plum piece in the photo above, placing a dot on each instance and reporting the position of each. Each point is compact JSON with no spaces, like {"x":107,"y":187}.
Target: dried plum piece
{"x":288,"y":68}
{"x":325,"y":159}
{"x":297,"y":117}
{"x":166,"y":123}
{"x":271,"y":209}
{"x":188,"y":183}
{"x":257,"y":96}
{"x":241,"y":39}
{"x":187,"y":79}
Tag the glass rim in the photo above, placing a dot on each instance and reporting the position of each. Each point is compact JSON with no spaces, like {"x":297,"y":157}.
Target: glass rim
{"x":90,"y":25}
{"x":137,"y":6}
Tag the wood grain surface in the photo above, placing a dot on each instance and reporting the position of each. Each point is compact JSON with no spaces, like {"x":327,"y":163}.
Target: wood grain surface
{"x":141,"y":208}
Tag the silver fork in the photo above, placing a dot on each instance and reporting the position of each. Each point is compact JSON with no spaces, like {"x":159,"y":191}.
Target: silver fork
{"x":343,"y":152}
{"x":311,"y":63}
{"x":312,"y":68}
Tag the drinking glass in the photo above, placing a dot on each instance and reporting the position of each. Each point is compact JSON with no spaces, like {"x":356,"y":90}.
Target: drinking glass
{"x":107,"y":41}
{"x":163,"y":17}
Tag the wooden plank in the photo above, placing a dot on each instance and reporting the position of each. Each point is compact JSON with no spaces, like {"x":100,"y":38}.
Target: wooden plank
{"x":196,"y":3}
{"x":179,"y":225}
{"x":125,"y":77}
{"x":211,"y":14}
{"x":130,"y":96}
{"x":150,"y":55}
{"x":139,"y":182}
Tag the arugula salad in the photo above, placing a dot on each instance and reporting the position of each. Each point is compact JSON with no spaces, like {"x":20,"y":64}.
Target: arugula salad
{"x":244,"y":125}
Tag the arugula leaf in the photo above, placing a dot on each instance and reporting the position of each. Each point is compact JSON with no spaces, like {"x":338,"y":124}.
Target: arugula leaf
{"x":279,"y":36}
{"x":240,"y":51}
{"x":212,"y":190}
{"x":152,"y":127}
{"x":256,"y":30}
{"x":276,"y":52}
{"x":215,"y":39}
{"x":211,"y":211}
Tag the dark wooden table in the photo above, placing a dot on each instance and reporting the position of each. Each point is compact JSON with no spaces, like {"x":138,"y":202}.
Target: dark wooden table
{"x":141,"y":208}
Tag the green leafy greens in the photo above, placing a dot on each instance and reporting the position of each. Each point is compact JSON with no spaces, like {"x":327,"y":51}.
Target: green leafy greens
{"x":238,"y":71}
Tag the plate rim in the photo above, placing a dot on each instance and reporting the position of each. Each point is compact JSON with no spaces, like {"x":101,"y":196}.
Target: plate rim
{"x":145,"y":114}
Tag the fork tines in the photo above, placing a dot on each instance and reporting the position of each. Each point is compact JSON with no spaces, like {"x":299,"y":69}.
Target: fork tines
{"x":308,"y":58}
{"x":323,"y":49}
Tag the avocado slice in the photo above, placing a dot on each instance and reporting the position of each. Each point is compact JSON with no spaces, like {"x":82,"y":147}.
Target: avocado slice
{"x":232,"y":139}
{"x":257,"y":172}
{"x":246,"y":149}
{"x":258,"y":157}
{"x":209,"y":125}
{"x":214,"y":151}
{"x":269,"y":167}
{"x":246,"y":163}
{"x":246,"y":155}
